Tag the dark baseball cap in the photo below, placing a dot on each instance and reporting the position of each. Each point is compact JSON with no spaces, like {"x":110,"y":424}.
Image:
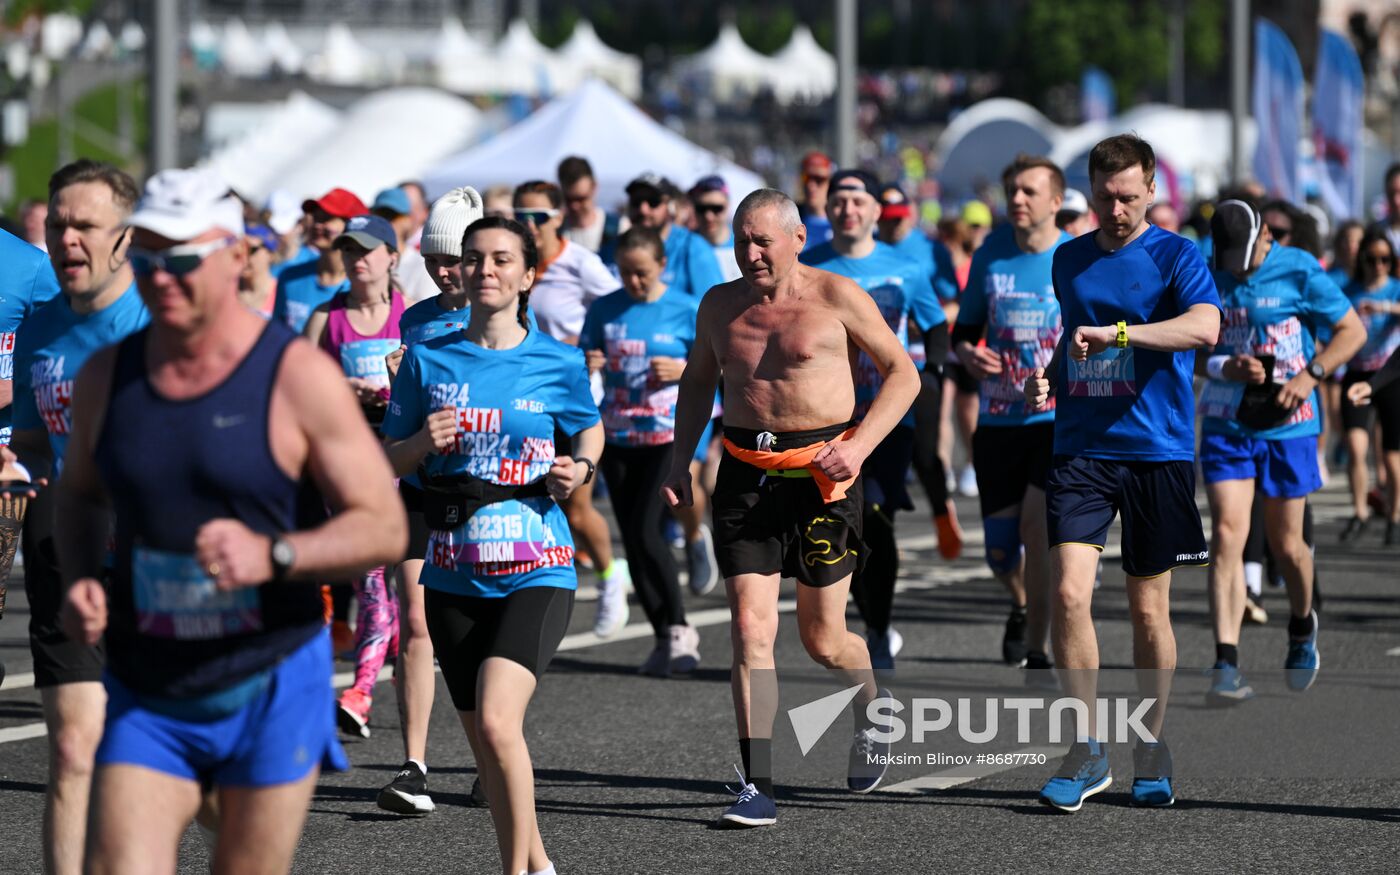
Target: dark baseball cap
{"x":1234,"y":230}
{"x":370,"y":231}
{"x":705,"y":184}
{"x":893,"y":203}
{"x":650,"y":185}
{"x":855,"y":180}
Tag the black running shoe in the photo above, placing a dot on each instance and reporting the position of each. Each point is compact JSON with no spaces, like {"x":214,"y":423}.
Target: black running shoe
{"x":478,"y":795}
{"x":1013,"y":643}
{"x":408,"y":792}
{"x":1355,"y":528}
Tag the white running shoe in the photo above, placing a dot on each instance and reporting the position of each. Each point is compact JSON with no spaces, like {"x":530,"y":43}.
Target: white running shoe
{"x":684,"y":650}
{"x":612,"y":605}
{"x":967,"y":483}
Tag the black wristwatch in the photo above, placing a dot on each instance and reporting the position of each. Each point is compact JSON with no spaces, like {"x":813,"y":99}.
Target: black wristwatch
{"x":591,"y":468}
{"x":1316,"y":370}
{"x":284,"y":555}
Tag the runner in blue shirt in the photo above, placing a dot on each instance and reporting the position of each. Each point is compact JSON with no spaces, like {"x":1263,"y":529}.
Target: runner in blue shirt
{"x":306,"y":285}
{"x":27,"y":281}
{"x":900,"y":288}
{"x":1261,"y":419}
{"x":478,"y":412}
{"x":1375,"y":293}
{"x":691,"y":266}
{"x":1135,"y":302}
{"x":638,"y":338}
{"x":1011,"y":300}
{"x":87,"y":240}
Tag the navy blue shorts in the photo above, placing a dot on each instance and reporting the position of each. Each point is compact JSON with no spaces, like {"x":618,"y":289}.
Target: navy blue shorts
{"x":1155,"y":500}
{"x":1284,"y":468}
{"x":280,"y":735}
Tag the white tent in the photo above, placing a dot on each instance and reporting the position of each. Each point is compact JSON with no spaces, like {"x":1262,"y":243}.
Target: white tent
{"x":804,"y":69}
{"x":341,"y":59}
{"x":987,"y":136}
{"x":619,"y":140}
{"x":270,"y":144}
{"x":461,"y":63}
{"x":59,"y":34}
{"x":728,"y":66}
{"x":383,"y":139}
{"x":285,"y":55}
{"x":527,"y":66}
{"x":98,"y":43}
{"x":132,"y":38}
{"x":240,"y":54}
{"x":593,"y":57}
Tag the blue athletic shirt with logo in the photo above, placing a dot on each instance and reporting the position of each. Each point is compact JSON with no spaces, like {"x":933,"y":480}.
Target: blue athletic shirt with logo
{"x":509,"y":403}
{"x":26,"y":281}
{"x":1130,"y":404}
{"x":1277,"y":310}
{"x":299,"y":293}
{"x":1011,"y":293}
{"x":303,"y":255}
{"x":426,"y":320}
{"x":934,"y":257}
{"x":54,"y":345}
{"x":637,"y":412}
{"x":1382,"y":329}
{"x":900,"y":288}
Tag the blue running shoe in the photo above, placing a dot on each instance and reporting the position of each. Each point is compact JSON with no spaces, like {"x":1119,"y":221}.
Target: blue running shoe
{"x":1227,"y":686}
{"x":1152,"y":775}
{"x":1083,"y":772}
{"x":752,"y":808}
{"x":1300,"y":668}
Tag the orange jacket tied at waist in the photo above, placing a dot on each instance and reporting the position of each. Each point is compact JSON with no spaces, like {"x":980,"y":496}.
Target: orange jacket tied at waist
{"x":801,"y":457}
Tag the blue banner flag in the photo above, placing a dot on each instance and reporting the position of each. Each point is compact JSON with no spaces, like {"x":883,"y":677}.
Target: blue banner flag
{"x":1278,"y":112}
{"x":1338,"y":93}
{"x":1097,"y":98}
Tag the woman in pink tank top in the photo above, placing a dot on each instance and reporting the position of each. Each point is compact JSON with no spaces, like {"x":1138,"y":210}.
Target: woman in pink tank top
{"x":359,"y":328}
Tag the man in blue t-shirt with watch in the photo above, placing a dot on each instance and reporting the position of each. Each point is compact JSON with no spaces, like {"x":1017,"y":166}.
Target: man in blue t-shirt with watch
{"x":1262,"y":416}
{"x":1135,"y":302}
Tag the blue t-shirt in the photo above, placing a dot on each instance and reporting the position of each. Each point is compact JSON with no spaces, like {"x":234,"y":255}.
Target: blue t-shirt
{"x":299,"y":293}
{"x":819,"y":230}
{"x":1277,"y":310}
{"x":900,"y":288}
{"x":26,"y":281}
{"x":54,"y":345}
{"x":934,"y":257}
{"x":636,"y":411}
{"x":1382,"y":329}
{"x":510,"y":403}
{"x":303,"y":255}
{"x":426,"y":320}
{"x":691,"y":266}
{"x":1010,"y":292}
{"x":1130,"y":404}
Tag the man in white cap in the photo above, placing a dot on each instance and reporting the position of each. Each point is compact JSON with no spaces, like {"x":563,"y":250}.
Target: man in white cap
{"x":284,"y":216}
{"x":1075,"y":217}
{"x":218,"y":658}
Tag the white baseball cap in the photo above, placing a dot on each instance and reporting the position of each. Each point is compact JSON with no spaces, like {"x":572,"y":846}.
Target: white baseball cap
{"x":1074,"y":202}
{"x":284,"y":211}
{"x":182,"y":204}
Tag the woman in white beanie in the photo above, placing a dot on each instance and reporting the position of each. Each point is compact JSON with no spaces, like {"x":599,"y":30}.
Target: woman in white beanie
{"x":433,"y":317}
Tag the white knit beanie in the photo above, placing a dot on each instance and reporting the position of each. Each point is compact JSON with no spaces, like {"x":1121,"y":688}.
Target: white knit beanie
{"x":448,"y":221}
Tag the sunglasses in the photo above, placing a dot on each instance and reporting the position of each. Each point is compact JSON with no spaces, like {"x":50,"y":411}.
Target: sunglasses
{"x":1280,"y":233}
{"x":534,"y":217}
{"x":177,"y":261}
{"x":1378,"y":259}
{"x":709,"y":208}
{"x":819,"y":180}
{"x":652,"y":201}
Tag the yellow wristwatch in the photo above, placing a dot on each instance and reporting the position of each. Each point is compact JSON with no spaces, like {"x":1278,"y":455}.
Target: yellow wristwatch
{"x":1122,"y":334}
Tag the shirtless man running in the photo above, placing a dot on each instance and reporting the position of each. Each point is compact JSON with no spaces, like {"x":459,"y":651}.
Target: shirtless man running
{"x":785,"y":337}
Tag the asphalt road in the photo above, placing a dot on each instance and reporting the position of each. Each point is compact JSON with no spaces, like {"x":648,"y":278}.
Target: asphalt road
{"x":630,"y":771}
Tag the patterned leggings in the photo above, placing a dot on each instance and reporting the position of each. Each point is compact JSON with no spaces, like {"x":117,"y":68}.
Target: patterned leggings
{"x":376,"y":628}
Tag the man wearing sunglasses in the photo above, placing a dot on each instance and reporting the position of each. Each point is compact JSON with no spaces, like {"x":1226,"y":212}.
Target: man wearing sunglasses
{"x":710,"y":199}
{"x":815,"y":179}
{"x":691,"y":266}
{"x":585,"y":223}
{"x":210,"y":437}
{"x":303,"y":287}
{"x":87,"y":239}
{"x":1261,"y":419}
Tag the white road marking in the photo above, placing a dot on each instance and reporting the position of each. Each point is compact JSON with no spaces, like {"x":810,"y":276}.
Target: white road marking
{"x":948,"y":778}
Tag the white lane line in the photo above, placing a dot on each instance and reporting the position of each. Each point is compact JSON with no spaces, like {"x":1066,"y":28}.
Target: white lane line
{"x":1394,"y":651}
{"x":23,"y":733}
{"x":20,"y":681}
{"x":956,"y":777}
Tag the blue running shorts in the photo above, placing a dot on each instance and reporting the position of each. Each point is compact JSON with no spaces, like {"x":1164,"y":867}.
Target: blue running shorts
{"x":1284,"y":468}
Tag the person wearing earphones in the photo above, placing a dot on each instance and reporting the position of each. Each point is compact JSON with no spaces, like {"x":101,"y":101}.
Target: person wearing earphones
{"x":89,"y":203}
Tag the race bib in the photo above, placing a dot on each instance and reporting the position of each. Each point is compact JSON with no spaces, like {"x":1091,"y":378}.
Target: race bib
{"x":1106,"y":375}
{"x":176,"y":599}
{"x":508,"y":531}
{"x":365,"y":359}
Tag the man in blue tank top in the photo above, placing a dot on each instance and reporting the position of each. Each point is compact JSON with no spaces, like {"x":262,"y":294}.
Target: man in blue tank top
{"x":1135,"y":302}
{"x":210,"y":438}
{"x":98,"y":305}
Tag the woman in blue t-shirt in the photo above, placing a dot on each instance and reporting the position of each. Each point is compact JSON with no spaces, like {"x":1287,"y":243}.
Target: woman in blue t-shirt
{"x":1375,"y":293}
{"x":475,"y":412}
{"x":639,"y":338}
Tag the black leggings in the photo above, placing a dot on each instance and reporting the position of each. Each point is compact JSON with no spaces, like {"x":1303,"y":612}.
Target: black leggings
{"x":928,"y":410}
{"x":634,"y":476}
{"x":872,"y":587}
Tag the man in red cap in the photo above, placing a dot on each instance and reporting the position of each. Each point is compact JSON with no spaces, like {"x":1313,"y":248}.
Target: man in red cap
{"x":303,"y":287}
{"x":817,"y":168}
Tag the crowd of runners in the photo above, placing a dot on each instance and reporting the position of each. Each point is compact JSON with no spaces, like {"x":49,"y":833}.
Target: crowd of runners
{"x":228,"y":422}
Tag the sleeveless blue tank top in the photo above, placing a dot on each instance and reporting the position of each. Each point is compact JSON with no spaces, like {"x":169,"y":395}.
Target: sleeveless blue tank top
{"x":170,"y":467}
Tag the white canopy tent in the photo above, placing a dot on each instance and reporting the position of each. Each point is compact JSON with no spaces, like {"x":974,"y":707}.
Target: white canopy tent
{"x":593,"y":57}
{"x":383,"y":139}
{"x":527,"y":66}
{"x":254,"y":163}
{"x":461,"y":63}
{"x":240,"y":54}
{"x":728,"y":66}
{"x":59,"y":34}
{"x":619,"y":140}
{"x":284,"y":55}
{"x":803,"y":68}
{"x":341,"y":59}
{"x":987,"y":136}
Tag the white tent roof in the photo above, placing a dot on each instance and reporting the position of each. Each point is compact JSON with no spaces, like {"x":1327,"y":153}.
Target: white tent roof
{"x":594,"y":57}
{"x":98,"y":43}
{"x":240,"y":54}
{"x":461,"y":63}
{"x":58,"y":34}
{"x":986,"y":137}
{"x":619,"y":140}
{"x":729,"y":65}
{"x":383,"y":139}
{"x":254,"y":163}
{"x":804,"y":68}
{"x":527,"y":66}
{"x":341,"y":59}
{"x":284,"y":54}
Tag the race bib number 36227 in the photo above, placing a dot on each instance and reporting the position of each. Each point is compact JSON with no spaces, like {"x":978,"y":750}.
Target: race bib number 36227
{"x":1106,"y":375}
